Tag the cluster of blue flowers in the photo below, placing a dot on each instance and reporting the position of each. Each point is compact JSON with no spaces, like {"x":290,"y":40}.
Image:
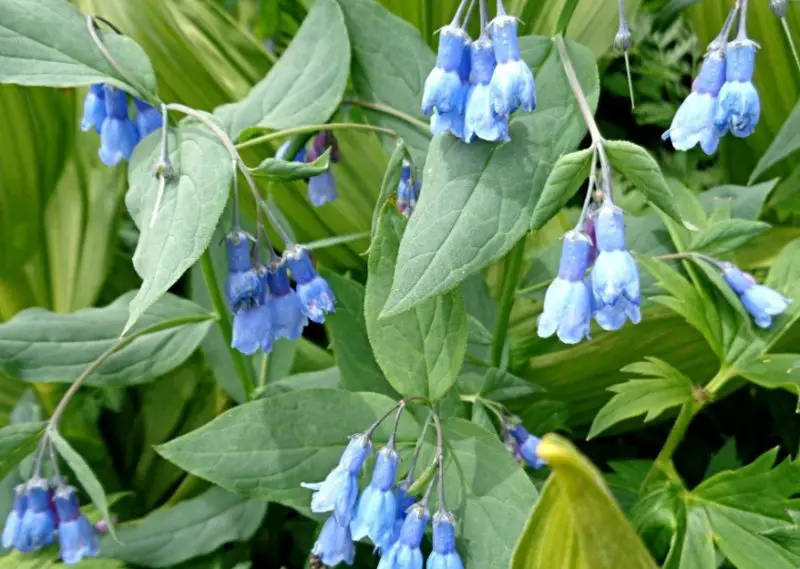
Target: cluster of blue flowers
{"x":322,"y":187}
{"x":610,"y":293}
{"x":760,"y":301}
{"x":105,"y":109}
{"x":475,"y":86}
{"x":723,"y":97}
{"x":264,"y":304}
{"x":42,"y":513}
{"x":407,"y":190}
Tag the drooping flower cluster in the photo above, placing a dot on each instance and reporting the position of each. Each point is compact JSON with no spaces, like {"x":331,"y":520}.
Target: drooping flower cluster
{"x":762,"y":302}
{"x":407,"y":190}
{"x":42,"y":514}
{"x":723,"y":97}
{"x":475,"y":86}
{"x":322,"y":187}
{"x":610,"y":293}
{"x":105,"y":109}
{"x":264,"y":304}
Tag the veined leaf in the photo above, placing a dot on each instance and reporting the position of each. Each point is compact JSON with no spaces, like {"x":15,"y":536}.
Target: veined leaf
{"x":391,"y":179}
{"x":17,"y":442}
{"x":50,"y":559}
{"x":774,"y":371}
{"x":568,"y":174}
{"x":277,"y":170}
{"x":785,"y":143}
{"x":725,"y":236}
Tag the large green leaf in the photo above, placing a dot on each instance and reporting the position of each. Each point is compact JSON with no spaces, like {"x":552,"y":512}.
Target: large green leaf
{"x":42,"y":346}
{"x":786,"y":142}
{"x":306,"y":85}
{"x":477,"y":199}
{"x":420,"y":351}
{"x":47,"y":42}
{"x":190,"y":529}
{"x":774,"y":371}
{"x":194,"y":199}
{"x":567,"y":176}
{"x":17,"y":442}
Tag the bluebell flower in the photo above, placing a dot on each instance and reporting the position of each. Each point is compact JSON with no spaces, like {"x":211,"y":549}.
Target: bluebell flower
{"x":148,"y":119}
{"x":339,"y":491}
{"x":376,"y":511}
{"x":694,"y":124}
{"x":527,"y":445}
{"x":567,"y":308}
{"x":334,"y":544}
{"x":444,"y":554}
{"x":762,"y":302}
{"x":288,"y":316}
{"x":615,"y":278}
{"x":480,"y":118}
{"x":252,"y":328}
{"x":94,"y":108}
{"x":322,"y":189}
{"x":407,"y":190}
{"x":76,"y":535}
{"x":314,"y":292}
{"x":405,"y":553}
{"x":738,"y":106}
{"x":38,"y":525}
{"x":118,"y":135}
{"x":11,"y":530}
{"x":404,"y":501}
{"x":444,"y":89}
{"x":242,"y":284}
{"x":512,"y":83}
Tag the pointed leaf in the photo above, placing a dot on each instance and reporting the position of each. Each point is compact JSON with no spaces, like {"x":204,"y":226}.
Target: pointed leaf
{"x":391,"y":179}
{"x":725,"y":236}
{"x":786,"y":142}
{"x":16,"y":443}
{"x":277,"y":170}
{"x":567,"y":176}
{"x":774,"y":371}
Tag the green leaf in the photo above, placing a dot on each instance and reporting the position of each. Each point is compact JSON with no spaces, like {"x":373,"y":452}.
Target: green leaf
{"x":329,"y":378}
{"x":41,"y":346}
{"x":194,"y":199}
{"x":746,"y":202}
{"x":306,"y":84}
{"x":665,"y":387}
{"x":726,"y":236}
{"x":786,"y":142}
{"x":50,"y":559}
{"x":694,"y":546}
{"x":17,"y":442}
{"x":477,"y":333}
{"x":47,"y":43}
{"x":348,"y":333}
{"x":190,"y":529}
{"x":577,"y":524}
{"x":391,"y":179}
{"x":774,"y":371}
{"x":419,"y":351}
{"x":477,"y":199}
{"x":85,"y":476}
{"x":277,"y":170}
{"x":636,"y":164}
{"x":493,"y":383}
{"x":746,"y":549}
{"x":564,"y":180}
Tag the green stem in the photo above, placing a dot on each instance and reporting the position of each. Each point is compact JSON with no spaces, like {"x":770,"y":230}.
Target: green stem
{"x":513,"y":264}
{"x":219,"y":306}
{"x":315,"y":128}
{"x":392,"y":112}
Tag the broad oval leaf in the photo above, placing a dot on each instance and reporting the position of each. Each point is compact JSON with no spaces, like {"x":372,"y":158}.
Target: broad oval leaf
{"x":577,"y":524}
{"x":478,"y":198}
{"x":568,"y":174}
{"x":277,"y":170}
{"x":420,"y":351}
{"x":193,"y":201}
{"x":47,"y":43}
{"x":169,"y":536}
{"x":41,"y":346}
{"x":17,"y":442}
{"x":306,"y":84}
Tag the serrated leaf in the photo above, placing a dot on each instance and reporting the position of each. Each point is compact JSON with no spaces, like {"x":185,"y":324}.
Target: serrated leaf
{"x":577,"y":524}
{"x":391,"y":179}
{"x":41,"y":346}
{"x":419,"y":351}
{"x":306,"y":85}
{"x":478,"y":199}
{"x":16,"y":443}
{"x":193,"y":201}
{"x":668,"y":388}
{"x":564,"y":180}
{"x":725,"y":236}
{"x":786,"y":142}
{"x":277,"y":170}
{"x":774,"y":371}
{"x":85,"y":476}
{"x":169,"y":536}
{"x":641,"y":169}
{"x":47,"y":43}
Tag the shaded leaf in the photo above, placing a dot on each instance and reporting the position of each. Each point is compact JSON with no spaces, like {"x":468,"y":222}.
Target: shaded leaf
{"x":277,"y":170}
{"x":774,"y":371}
{"x":746,"y":202}
{"x":391,"y":179}
{"x":786,"y":142}
{"x":725,"y":236}
{"x":17,"y":442}
{"x":564,"y":180}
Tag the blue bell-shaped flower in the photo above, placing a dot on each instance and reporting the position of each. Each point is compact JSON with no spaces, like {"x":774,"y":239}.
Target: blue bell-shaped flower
{"x":13,"y":525}
{"x":513,"y":85}
{"x":376,"y":511}
{"x":528,"y":445}
{"x":38,"y":526}
{"x":444,"y":90}
{"x":148,"y":119}
{"x":94,"y":108}
{"x":405,"y":553}
{"x":76,"y":536}
{"x":480,"y":118}
{"x":738,"y":105}
{"x":242,"y":284}
{"x":334,"y":544}
{"x":322,"y":189}
{"x":444,"y":554}
{"x":288,"y":315}
{"x":314,"y":291}
{"x":762,"y":302}
{"x":118,"y":135}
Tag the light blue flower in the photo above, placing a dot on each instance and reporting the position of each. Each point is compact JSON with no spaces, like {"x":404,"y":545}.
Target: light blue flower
{"x":739,"y":106}
{"x":322,"y":189}
{"x":339,"y":491}
{"x":376,"y":512}
{"x":334,"y":544}
{"x":480,"y":118}
{"x":76,"y":536}
{"x":512,"y":85}
{"x":527,"y":445}
{"x":38,"y":526}
{"x":407,"y":190}
{"x":444,"y":554}
{"x":13,"y":525}
{"x":243,"y":287}
{"x":405,"y":553}
{"x":94,"y":108}
{"x":118,"y":135}
{"x":287,"y":312}
{"x":252,"y":329}
{"x":567,"y":309}
{"x":314,"y":292}
{"x":444,"y":89}
{"x":148,"y":119}
{"x":762,"y":302}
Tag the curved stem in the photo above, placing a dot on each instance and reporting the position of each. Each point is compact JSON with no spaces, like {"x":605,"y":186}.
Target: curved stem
{"x":440,"y":459}
{"x":417,"y":449}
{"x":392,"y":112}
{"x":511,"y":272}
{"x":316,"y":128}
{"x":589,"y":190}
{"x":790,"y":39}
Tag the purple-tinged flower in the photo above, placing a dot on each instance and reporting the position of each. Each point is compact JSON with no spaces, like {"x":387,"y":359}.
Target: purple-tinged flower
{"x":11,"y":530}
{"x":339,"y":491}
{"x":444,"y":554}
{"x":739,"y":107}
{"x":407,"y":190}
{"x":314,"y":292}
{"x":512,"y":85}
{"x":242,"y":285}
{"x":94,"y":108}
{"x":405,"y":553}
{"x":615,"y":278}
{"x":480,"y":118}
{"x":527,"y":445}
{"x":148,"y":119}
{"x":321,"y":142}
{"x":76,"y":535}
{"x":288,"y":316}
{"x":762,"y":302}
{"x":334,"y":544}
{"x":118,"y":135}
{"x":567,"y":308}
{"x":322,"y":189}
{"x":38,"y":526}
{"x":376,"y":511}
